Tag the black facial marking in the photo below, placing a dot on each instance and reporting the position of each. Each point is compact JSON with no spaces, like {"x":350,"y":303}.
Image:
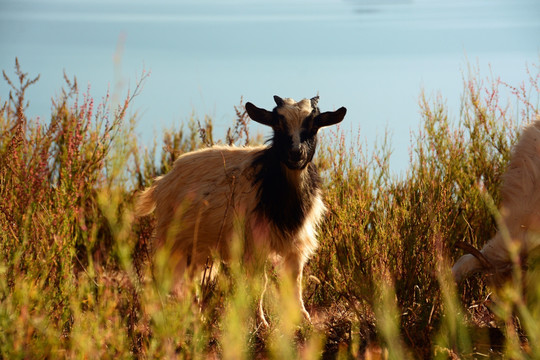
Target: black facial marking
{"x":280,"y":201}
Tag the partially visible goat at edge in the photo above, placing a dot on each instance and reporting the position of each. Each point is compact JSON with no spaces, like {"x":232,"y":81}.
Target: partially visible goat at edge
{"x":275,"y":190}
{"x":520,"y":212}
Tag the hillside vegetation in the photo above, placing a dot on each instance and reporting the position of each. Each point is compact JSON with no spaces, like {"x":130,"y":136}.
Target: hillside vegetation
{"x":76,"y":265}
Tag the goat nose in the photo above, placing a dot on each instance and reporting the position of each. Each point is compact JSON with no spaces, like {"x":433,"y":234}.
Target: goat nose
{"x":295,"y":154}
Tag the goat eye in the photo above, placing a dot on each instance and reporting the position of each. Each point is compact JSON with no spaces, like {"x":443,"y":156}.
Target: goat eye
{"x":308,"y":122}
{"x":282,"y":123}
{"x":305,"y":135}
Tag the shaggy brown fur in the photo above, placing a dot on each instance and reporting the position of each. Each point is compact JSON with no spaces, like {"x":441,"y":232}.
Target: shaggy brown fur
{"x":203,"y":195}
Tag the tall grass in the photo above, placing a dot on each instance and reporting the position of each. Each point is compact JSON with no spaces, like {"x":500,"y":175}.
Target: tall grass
{"x":79,"y":278}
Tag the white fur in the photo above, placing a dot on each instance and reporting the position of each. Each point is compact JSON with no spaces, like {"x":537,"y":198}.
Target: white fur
{"x":520,"y":208}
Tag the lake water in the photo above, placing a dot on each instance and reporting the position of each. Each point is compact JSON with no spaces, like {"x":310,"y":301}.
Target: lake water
{"x":373,"y":57}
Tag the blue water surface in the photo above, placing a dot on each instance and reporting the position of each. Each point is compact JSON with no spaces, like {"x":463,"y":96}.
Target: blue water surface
{"x":374,"y":57}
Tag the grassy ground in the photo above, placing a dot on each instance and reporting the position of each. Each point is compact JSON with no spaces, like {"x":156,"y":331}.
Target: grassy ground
{"x":75,"y":263}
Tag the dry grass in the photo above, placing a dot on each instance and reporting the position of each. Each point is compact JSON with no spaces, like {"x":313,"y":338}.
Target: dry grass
{"x":75,"y":264}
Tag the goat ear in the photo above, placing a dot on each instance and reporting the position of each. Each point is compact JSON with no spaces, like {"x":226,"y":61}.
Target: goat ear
{"x":259,"y":115}
{"x":330,"y":117}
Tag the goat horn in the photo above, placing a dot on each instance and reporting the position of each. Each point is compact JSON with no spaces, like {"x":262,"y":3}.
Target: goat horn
{"x":278,"y":100}
{"x":314,"y":101}
{"x":476,"y":253}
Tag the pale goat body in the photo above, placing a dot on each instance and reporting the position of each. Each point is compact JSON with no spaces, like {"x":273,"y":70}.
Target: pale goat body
{"x":520,"y":210}
{"x":274,"y":191}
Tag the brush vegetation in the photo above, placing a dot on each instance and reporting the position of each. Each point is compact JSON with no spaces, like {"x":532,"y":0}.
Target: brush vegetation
{"x":79,"y":279}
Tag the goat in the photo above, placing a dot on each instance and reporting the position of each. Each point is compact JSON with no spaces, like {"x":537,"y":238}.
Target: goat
{"x":520,"y":212}
{"x":275,"y":190}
